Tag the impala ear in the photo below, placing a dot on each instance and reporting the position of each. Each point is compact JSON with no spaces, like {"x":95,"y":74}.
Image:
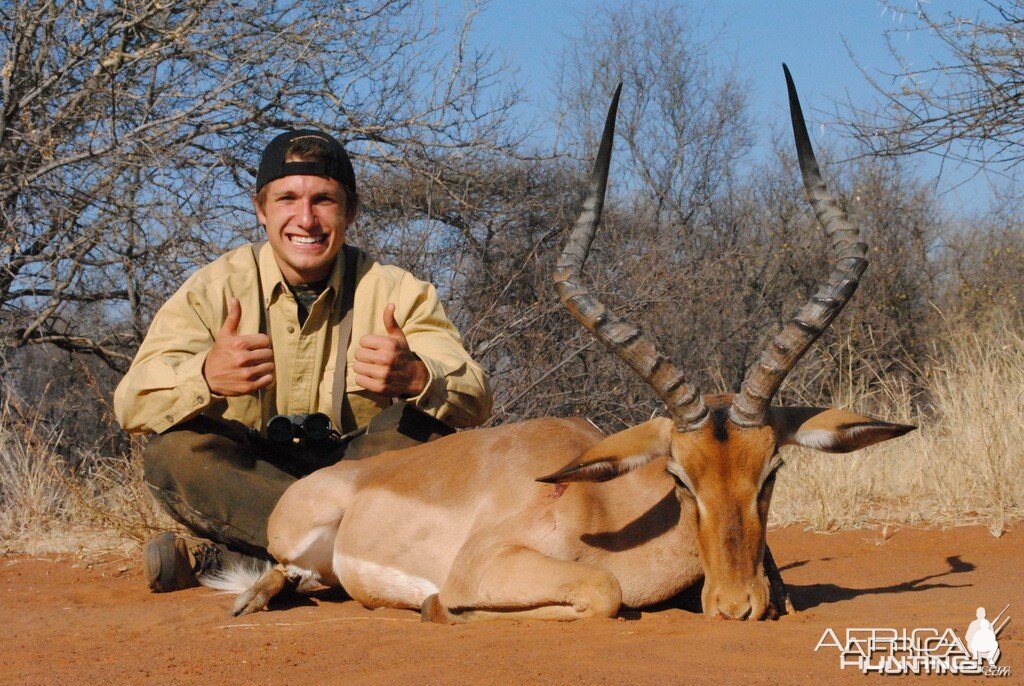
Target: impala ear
{"x":619,"y":453}
{"x":831,"y":431}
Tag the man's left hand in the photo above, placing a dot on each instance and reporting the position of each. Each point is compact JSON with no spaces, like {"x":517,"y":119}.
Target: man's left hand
{"x":386,"y":365}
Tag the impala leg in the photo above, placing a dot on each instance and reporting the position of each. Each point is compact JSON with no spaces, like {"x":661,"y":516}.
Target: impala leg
{"x":303,"y":527}
{"x":780,"y":604}
{"x":272,"y":582}
{"x":521,"y":583}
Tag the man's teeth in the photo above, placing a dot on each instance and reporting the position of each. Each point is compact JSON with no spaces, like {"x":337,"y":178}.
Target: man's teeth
{"x":307,"y":240}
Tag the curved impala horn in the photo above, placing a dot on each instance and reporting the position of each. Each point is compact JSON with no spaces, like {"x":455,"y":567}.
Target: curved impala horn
{"x":684,"y":401}
{"x":750,"y":408}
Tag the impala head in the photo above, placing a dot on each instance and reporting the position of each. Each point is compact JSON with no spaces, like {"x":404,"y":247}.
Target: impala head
{"x":723,"y":450}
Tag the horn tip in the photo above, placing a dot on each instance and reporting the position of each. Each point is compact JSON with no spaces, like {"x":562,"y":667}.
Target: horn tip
{"x":790,"y":84}
{"x":615,"y":99}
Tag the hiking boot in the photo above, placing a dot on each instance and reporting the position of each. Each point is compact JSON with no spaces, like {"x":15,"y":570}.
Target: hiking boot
{"x":169,"y":564}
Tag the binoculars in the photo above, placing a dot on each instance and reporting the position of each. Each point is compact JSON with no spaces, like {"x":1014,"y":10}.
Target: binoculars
{"x":285,"y":428}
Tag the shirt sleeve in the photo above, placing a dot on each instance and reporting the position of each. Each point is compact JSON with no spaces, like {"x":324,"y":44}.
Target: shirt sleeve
{"x":165,"y":384}
{"x":457,"y":391}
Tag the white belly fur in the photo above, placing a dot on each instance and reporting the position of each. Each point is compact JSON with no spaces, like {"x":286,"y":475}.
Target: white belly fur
{"x":366,"y":580}
{"x":315,"y":554}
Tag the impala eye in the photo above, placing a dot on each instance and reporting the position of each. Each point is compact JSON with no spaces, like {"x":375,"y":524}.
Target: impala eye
{"x":682,"y":479}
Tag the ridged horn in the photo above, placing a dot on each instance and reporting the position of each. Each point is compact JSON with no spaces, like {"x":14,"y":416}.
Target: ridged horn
{"x":750,"y":408}
{"x":684,"y":402}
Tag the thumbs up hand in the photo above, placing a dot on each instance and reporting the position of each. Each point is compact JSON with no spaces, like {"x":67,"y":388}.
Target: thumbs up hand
{"x":238,"y":364}
{"x":386,"y":365}
{"x":392,"y":327}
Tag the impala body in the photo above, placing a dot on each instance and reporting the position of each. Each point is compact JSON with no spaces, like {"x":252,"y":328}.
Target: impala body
{"x":398,"y":528}
{"x":550,"y":519}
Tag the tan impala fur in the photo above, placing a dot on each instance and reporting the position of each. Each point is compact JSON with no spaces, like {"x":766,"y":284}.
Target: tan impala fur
{"x":549,"y":519}
{"x":465,"y":518}
{"x":408,"y":524}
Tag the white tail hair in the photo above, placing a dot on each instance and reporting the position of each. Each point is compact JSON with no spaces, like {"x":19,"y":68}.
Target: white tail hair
{"x":237,"y":576}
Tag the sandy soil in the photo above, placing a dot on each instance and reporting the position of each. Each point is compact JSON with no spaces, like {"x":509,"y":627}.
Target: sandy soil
{"x":67,"y":622}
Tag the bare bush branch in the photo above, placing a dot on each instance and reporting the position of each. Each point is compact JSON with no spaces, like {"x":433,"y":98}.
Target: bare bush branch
{"x":127,"y":131}
{"x":967,"y":104}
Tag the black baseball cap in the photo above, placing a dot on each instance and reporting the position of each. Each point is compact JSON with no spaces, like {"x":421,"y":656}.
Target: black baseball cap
{"x":273,"y":165}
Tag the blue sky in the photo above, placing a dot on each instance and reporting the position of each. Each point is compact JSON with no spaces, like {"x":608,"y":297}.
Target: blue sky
{"x":808,"y":35}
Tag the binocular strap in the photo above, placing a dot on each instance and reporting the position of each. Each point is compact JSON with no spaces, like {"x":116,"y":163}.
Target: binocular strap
{"x":264,"y":398}
{"x":348,"y":295}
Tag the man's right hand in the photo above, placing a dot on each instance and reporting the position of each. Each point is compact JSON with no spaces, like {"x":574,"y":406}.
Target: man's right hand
{"x":238,"y":364}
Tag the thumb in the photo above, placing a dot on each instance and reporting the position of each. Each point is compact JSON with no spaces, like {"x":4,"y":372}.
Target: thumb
{"x":230,"y":327}
{"x":393,"y":329}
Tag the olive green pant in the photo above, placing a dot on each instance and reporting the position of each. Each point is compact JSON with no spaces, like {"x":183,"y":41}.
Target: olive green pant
{"x":221,"y":480}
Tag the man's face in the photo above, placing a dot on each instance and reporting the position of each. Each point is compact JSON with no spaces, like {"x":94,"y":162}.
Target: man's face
{"x":305,"y":221}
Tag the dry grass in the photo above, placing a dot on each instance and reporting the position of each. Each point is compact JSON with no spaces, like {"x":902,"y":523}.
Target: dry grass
{"x":47,"y":506}
{"x":964,"y":464}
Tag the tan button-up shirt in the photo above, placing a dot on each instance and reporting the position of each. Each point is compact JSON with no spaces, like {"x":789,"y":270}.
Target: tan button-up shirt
{"x":165,"y":384}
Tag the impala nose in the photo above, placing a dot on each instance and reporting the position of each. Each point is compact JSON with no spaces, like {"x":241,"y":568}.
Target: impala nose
{"x":737,"y":609}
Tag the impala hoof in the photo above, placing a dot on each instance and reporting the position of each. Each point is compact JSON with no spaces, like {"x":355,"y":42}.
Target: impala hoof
{"x":249,"y":602}
{"x":433,"y":611}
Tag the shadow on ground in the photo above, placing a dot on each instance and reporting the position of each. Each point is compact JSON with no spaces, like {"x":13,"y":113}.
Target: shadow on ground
{"x":809,"y":596}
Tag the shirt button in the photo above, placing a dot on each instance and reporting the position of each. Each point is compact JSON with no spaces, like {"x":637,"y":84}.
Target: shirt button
{"x":168,"y":417}
{"x":199,"y":399}
{"x":291,"y":329}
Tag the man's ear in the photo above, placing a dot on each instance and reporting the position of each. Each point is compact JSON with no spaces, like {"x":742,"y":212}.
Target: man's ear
{"x":258,"y":206}
{"x":619,"y":453}
{"x":831,"y":431}
{"x":353,"y":206}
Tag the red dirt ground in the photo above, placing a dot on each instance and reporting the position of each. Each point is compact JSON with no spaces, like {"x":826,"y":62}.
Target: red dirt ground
{"x":67,"y":622}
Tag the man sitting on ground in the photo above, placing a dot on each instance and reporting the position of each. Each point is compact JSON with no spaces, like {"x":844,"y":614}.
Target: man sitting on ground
{"x":300,"y":325}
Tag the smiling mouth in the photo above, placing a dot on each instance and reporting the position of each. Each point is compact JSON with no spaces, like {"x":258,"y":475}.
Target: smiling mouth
{"x":307,"y":240}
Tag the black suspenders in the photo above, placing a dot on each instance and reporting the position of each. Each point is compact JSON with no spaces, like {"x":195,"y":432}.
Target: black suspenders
{"x":348,"y":295}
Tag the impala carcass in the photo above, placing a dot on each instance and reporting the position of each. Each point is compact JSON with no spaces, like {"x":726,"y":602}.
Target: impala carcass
{"x":549,"y":518}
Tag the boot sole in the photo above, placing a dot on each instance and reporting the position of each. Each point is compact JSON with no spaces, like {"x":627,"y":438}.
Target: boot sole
{"x":159,"y":563}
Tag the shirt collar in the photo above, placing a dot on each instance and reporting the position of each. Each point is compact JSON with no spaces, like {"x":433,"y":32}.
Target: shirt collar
{"x":274,"y":282}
